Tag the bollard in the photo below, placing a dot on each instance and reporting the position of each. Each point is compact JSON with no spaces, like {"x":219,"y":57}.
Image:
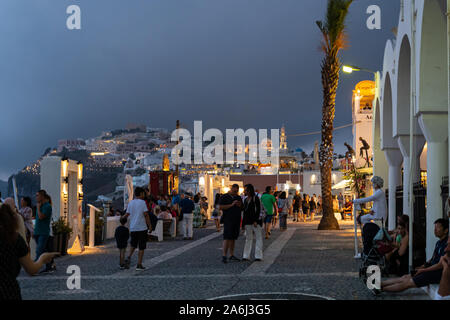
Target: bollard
{"x":92,"y":211}
{"x":356,"y":207}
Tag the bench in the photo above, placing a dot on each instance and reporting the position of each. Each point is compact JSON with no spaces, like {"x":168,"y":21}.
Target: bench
{"x":165,"y":228}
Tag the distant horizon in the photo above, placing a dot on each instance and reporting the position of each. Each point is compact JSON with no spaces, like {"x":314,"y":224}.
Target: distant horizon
{"x":308,"y":148}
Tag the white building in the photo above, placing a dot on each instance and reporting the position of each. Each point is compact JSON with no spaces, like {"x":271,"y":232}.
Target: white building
{"x":413,"y":102}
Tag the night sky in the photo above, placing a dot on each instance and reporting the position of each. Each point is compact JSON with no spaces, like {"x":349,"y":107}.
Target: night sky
{"x":231,"y":63}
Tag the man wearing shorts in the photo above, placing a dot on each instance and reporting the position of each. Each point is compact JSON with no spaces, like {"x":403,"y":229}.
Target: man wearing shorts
{"x":231,"y":206}
{"x":430,"y":272}
{"x":270,"y":207}
{"x":139,"y":226}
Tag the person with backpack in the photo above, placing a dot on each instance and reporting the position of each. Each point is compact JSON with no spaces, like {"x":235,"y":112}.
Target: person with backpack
{"x":252,"y":224}
{"x":297,"y":205}
{"x":283,"y":210}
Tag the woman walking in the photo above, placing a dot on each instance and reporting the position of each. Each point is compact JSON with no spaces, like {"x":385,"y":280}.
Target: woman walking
{"x":216,"y":212}
{"x":312,"y":208}
{"x":27,"y":214}
{"x":283,"y":210}
{"x":275,"y":214}
{"x":197,"y":212}
{"x":305,"y":206}
{"x":252,"y":223}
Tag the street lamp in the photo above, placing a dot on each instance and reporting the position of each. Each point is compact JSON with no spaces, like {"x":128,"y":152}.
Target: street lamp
{"x":349,"y":69}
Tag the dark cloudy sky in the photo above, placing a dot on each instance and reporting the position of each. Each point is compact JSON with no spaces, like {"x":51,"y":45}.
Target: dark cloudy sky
{"x":231,"y":63}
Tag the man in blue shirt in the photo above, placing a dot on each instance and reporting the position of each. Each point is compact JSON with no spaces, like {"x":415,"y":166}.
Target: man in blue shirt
{"x":430,"y":272}
{"x":42,"y":226}
{"x":187,"y":207}
{"x":175,"y":198}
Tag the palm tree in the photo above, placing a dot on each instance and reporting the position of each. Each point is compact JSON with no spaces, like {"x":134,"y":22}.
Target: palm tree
{"x":333,"y":32}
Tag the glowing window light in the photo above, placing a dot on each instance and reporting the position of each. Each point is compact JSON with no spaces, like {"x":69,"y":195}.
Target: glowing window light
{"x":80,"y":171}
{"x":65,"y":167}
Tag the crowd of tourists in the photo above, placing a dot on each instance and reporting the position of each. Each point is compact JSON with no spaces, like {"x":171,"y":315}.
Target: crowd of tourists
{"x":251,"y":213}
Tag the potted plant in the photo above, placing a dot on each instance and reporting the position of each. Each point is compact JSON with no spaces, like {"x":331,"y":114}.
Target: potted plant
{"x":98,"y":233}
{"x":61,"y":232}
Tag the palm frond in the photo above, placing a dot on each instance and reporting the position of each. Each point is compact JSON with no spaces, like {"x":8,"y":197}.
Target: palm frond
{"x":333,"y":28}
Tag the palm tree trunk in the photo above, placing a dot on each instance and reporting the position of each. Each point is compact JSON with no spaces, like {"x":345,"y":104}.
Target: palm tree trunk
{"x":330,"y":80}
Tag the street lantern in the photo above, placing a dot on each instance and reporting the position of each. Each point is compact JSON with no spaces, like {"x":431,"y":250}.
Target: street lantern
{"x":349,"y":69}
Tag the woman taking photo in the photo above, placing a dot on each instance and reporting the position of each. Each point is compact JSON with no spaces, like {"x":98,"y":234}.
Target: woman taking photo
{"x":252,"y":224}
{"x":14,"y":254}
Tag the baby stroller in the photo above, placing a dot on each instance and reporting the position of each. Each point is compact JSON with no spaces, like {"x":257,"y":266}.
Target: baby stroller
{"x":376,"y":245}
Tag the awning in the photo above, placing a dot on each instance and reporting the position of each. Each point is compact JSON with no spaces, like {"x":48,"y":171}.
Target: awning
{"x":342,"y":185}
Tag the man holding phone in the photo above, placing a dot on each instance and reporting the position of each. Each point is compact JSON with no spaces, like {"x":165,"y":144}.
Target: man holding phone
{"x":231,"y":206}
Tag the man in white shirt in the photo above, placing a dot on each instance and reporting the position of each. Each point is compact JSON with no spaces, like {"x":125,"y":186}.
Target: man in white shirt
{"x":139,"y":225}
{"x":379,"y":209}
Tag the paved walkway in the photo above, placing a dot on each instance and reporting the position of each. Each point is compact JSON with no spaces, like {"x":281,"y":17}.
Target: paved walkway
{"x":300,"y":263}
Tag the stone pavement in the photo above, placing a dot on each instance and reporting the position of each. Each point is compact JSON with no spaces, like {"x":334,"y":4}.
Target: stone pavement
{"x":300,"y":263}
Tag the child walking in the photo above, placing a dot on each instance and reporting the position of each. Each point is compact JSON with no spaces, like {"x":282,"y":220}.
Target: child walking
{"x":122,"y":235}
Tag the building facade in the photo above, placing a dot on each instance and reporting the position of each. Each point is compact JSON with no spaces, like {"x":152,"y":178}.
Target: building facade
{"x":411,"y":110}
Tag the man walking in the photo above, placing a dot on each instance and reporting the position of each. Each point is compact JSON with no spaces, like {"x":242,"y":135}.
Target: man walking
{"x":231,"y":206}
{"x":270,"y":207}
{"x":187,"y":208}
{"x":139,"y":225}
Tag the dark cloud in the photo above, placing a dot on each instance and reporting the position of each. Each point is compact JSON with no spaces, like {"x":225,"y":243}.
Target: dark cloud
{"x":230,"y":63}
